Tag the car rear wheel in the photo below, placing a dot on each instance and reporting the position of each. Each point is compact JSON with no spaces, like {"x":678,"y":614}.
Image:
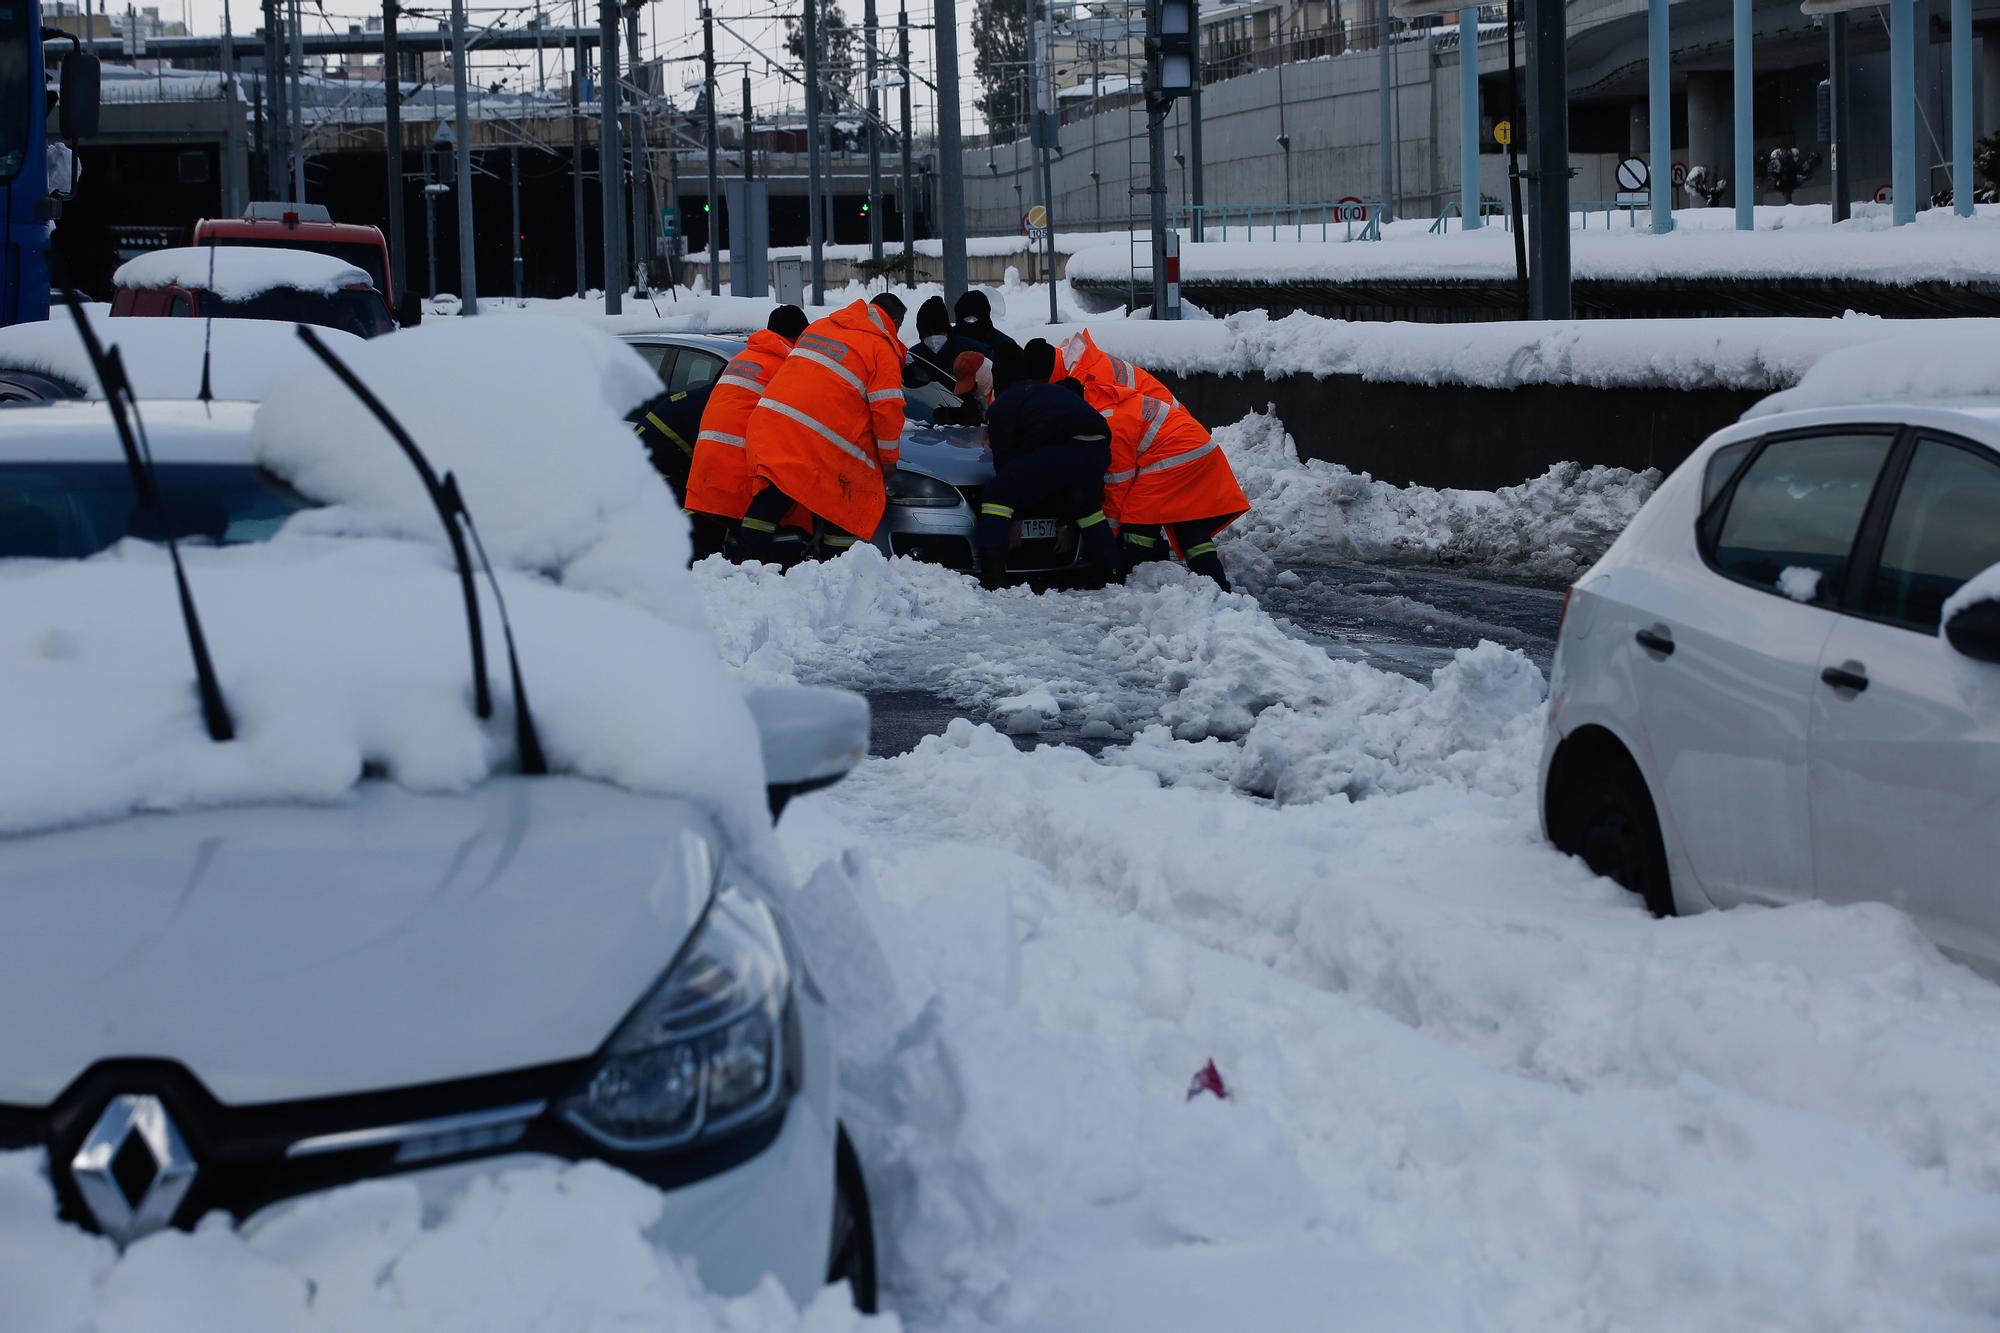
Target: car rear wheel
{"x":1604,"y":815}
{"x":853,"y":1253}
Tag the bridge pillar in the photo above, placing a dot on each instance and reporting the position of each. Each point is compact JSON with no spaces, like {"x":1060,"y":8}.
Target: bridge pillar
{"x":1707,"y":112}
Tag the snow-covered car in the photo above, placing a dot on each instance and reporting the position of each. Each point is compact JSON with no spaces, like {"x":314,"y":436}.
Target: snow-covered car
{"x":252,"y":282}
{"x":1782,"y":682}
{"x":164,"y":358}
{"x":934,"y":494}
{"x":358,"y":933}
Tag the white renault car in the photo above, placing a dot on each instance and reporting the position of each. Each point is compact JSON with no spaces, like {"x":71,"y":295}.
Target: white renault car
{"x":222,"y":1002}
{"x":1776,"y":684}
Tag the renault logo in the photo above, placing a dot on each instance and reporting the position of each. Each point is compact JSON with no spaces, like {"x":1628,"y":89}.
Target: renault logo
{"x":133,"y":1169}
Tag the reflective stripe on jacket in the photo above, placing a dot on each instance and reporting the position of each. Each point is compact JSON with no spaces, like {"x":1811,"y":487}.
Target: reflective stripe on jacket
{"x":720,"y":481}
{"x":830,"y":425}
{"x":1165,"y":467}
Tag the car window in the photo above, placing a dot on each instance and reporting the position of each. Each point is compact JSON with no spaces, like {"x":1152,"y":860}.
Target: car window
{"x":1793,"y":516}
{"x":179,"y":307}
{"x":1721,"y":467}
{"x":1944,"y":529}
{"x":67,"y":511}
{"x":695,"y":370}
{"x":657,"y":355}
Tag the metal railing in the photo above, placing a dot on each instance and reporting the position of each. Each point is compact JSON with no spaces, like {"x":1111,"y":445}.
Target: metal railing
{"x":1347,"y":219}
{"x":1488,"y":208}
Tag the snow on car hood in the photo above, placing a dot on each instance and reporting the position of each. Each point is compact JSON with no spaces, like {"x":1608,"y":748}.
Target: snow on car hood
{"x":528,"y":413}
{"x":391,"y":939}
{"x":337,"y":659}
{"x":163,"y":357}
{"x":239,"y":272}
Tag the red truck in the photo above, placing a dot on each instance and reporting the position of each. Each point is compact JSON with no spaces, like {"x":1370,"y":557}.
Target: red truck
{"x":311,"y":227}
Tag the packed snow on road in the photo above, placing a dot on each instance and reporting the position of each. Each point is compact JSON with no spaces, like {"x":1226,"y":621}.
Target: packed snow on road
{"x":1459,"y":1082}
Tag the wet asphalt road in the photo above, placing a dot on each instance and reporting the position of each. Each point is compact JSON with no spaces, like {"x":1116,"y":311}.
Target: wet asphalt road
{"x":1402,"y":618}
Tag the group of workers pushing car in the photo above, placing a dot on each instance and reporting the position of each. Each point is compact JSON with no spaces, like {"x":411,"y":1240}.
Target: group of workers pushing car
{"x":795,"y":442}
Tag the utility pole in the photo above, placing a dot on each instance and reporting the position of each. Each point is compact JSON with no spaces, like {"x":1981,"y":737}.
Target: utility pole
{"x":813,"y":185}
{"x":520,"y":268}
{"x":642,"y":225}
{"x":908,"y":206}
{"x":298,"y":104}
{"x":1385,"y":74}
{"x":874,"y":136}
{"x":1170,"y":73}
{"x":468,"y":279}
{"x":1042,"y":29}
{"x":1197,"y":197}
{"x":714,"y":212}
{"x":1548,"y":160}
{"x":749,"y":135}
{"x":277,"y":120}
{"x":1836,"y":113}
{"x":541,"y":73}
{"x":392,"y":143}
{"x":951,"y":158}
{"x":576,"y":149}
{"x":235,"y":169}
{"x":610,"y":157}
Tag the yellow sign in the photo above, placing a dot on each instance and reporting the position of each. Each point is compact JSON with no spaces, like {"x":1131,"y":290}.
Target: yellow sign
{"x":1503,"y":133}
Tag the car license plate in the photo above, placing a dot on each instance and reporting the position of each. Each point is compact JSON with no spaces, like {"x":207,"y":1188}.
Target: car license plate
{"x":1040,"y":529}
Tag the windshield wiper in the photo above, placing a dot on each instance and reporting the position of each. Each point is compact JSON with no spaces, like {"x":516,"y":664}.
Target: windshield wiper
{"x":450,"y":506}
{"x":124,"y":405}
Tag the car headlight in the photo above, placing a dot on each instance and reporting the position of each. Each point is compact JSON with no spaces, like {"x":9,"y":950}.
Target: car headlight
{"x":705,"y":1051}
{"x":921,"y":492}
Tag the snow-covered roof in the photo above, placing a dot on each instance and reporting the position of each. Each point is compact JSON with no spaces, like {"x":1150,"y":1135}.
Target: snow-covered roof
{"x":340,"y":644}
{"x":1934,"y":365}
{"x":163,"y":356}
{"x":239,"y":272}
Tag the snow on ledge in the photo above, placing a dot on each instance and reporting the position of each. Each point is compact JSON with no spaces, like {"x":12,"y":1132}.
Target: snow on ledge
{"x":239,"y":272}
{"x":1752,"y":354}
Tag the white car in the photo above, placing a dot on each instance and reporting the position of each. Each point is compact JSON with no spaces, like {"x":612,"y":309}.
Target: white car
{"x":1752,"y":699}
{"x":228,"y":1007}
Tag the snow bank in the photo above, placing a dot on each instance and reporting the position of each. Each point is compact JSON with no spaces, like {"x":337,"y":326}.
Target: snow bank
{"x":1602,"y":354}
{"x":1943,"y":361}
{"x":533,"y":1248}
{"x":554,"y":478}
{"x":1473,"y":1087}
{"x":1554,"y":526}
{"x":1163,"y":660}
{"x":1941,"y":248}
{"x":238,"y":272}
{"x":163,"y":356}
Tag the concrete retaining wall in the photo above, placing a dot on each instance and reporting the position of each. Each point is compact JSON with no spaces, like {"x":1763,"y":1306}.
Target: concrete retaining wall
{"x":1479,"y":439}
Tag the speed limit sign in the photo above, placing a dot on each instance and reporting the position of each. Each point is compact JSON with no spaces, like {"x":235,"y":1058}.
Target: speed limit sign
{"x":1885,"y":194}
{"x":1352,"y":210}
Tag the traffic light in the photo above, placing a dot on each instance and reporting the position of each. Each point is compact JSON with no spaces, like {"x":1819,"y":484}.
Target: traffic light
{"x":1172,"y":49}
{"x":864,"y":208}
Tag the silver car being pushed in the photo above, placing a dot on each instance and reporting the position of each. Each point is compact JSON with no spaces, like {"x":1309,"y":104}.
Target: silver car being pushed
{"x":935,"y":492}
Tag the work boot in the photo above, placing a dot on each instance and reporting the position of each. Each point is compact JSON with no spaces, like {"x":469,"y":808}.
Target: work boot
{"x":992,"y":570}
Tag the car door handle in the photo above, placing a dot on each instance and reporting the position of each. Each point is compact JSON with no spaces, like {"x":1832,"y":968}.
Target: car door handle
{"x":1843,"y":679}
{"x":1656,"y":641}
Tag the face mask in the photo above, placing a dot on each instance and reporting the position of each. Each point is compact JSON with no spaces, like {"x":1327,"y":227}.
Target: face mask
{"x":935,"y":342}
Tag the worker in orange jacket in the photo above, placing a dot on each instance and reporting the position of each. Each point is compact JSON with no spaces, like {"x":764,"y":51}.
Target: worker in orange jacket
{"x":1166,"y":472}
{"x":828,"y":430}
{"x":719,"y":483}
{"x":1083,"y":360}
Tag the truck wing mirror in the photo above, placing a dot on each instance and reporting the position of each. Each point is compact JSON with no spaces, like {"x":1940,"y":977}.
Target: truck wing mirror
{"x":78,"y":96}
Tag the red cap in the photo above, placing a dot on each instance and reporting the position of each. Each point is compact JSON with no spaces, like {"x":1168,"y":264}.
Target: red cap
{"x":966,"y":368}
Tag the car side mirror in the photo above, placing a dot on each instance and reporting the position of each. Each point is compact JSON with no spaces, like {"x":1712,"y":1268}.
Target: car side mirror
{"x":78,"y":96}
{"x":812,"y":738}
{"x":1975,"y":631}
{"x":410,"y":310}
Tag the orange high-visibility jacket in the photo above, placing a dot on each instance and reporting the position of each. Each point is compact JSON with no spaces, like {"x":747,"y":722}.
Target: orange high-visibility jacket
{"x":1165,"y":467}
{"x":719,"y":480}
{"x":1082,"y":359}
{"x":831,"y":423}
